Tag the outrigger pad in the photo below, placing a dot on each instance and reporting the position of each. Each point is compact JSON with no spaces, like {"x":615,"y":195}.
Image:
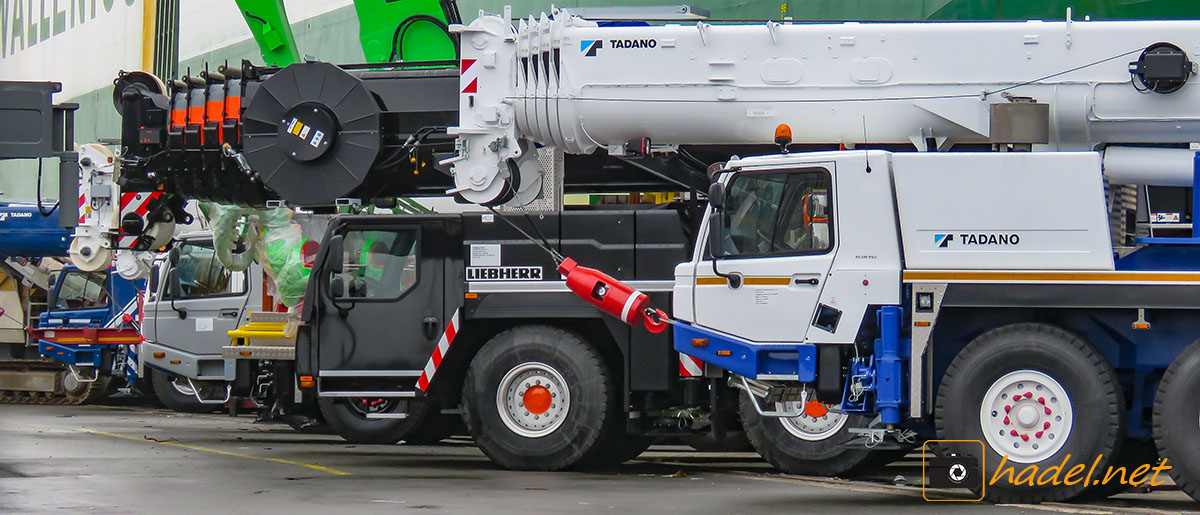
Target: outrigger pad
{"x":27,"y":119}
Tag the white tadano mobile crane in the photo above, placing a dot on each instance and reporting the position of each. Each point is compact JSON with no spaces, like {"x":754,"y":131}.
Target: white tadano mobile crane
{"x":968,"y":291}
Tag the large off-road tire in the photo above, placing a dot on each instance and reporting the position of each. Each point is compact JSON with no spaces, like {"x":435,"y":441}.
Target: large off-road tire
{"x":1177,"y":420}
{"x":348,"y":419}
{"x":539,"y":398}
{"x":805,"y":445}
{"x":175,"y":393}
{"x":1034,"y":393}
{"x":1133,"y":454}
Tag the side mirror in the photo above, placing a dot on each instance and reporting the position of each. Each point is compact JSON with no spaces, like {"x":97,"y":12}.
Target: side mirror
{"x":173,"y":256}
{"x":152,"y":286}
{"x":337,"y":287}
{"x":334,"y":253}
{"x":716,"y":233}
{"x":716,"y":195}
{"x":175,"y":291}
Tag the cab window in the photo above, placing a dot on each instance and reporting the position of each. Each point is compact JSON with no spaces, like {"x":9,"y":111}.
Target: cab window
{"x":82,"y":290}
{"x":784,"y":213}
{"x":380,"y":264}
{"x":201,"y":274}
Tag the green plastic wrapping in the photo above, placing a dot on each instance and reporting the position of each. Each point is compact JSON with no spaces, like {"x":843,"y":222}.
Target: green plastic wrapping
{"x":243,"y":235}
{"x":279,"y":253}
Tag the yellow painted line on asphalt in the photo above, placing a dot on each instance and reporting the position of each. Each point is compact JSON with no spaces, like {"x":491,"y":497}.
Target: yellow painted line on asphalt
{"x":327,"y":470}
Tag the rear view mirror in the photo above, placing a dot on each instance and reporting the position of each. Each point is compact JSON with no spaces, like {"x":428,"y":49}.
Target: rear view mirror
{"x":716,"y":233}
{"x":335,"y":254}
{"x":152,"y":287}
{"x":716,"y":195}
{"x":173,"y":256}
{"x":337,"y":287}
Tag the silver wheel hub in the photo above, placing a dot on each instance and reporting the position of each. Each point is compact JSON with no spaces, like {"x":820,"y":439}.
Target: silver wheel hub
{"x":533,"y":399}
{"x":814,"y":428}
{"x":1027,"y":416}
{"x":70,"y":384}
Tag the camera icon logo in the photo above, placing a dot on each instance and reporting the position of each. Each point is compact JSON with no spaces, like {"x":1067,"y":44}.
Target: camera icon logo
{"x":951,"y":473}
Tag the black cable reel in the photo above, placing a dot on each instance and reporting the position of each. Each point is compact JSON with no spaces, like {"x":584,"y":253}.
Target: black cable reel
{"x":1162,"y":68}
{"x":312,"y":132}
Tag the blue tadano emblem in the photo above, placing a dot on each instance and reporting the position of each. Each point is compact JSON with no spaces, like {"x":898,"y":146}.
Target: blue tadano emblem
{"x":590,"y":46}
{"x":942,"y":240}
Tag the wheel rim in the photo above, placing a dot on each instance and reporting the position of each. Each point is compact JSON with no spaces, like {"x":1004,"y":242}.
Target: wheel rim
{"x":1027,"y":416}
{"x":364,"y":406}
{"x":816,"y":424}
{"x":533,"y":399}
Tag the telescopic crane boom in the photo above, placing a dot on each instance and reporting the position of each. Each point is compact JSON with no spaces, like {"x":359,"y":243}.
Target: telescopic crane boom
{"x":566,"y":82}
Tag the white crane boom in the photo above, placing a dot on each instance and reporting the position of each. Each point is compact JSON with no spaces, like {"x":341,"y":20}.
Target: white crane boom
{"x":566,"y":82}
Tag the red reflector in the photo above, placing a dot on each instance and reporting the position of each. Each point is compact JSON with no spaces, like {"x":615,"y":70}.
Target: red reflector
{"x":308,"y":252}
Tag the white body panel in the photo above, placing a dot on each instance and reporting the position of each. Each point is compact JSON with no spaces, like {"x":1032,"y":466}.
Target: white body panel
{"x":862,"y":269}
{"x":1008,"y":211}
{"x":550,"y":82}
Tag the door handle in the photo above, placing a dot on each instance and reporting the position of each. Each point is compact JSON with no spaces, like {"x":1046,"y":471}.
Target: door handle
{"x":431,"y":326}
{"x":229,"y":313}
{"x":812,"y":280}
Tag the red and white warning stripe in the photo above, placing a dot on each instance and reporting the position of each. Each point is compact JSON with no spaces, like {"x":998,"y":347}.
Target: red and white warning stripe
{"x":689,"y":366}
{"x":439,"y":352}
{"x":138,"y":203}
{"x":468,"y":76}
{"x":82,"y":213}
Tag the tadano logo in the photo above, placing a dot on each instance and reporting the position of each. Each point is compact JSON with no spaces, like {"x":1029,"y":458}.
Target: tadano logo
{"x":942,"y":240}
{"x":590,"y":46}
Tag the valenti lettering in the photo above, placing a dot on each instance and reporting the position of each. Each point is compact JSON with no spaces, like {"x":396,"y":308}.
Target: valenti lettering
{"x":25,"y":23}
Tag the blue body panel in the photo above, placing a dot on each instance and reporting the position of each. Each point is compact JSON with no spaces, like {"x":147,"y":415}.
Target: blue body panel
{"x":747,"y":358}
{"x":123,"y":299}
{"x":29,"y":234}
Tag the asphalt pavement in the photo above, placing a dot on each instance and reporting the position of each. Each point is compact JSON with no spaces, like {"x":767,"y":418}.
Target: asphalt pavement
{"x":103,"y":459}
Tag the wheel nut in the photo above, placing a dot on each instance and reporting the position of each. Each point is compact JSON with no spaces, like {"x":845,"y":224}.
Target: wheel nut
{"x":1046,"y":425}
{"x":1039,"y":434}
{"x":1014,"y":433}
{"x":1006,"y":421}
{"x":1025,"y":437}
{"x":1047,"y":411}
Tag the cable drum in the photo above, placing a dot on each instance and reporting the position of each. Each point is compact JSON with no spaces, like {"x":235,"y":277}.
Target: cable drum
{"x":312,"y":133}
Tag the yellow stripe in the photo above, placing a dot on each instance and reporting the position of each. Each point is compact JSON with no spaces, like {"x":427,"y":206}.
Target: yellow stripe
{"x":1055,"y":276}
{"x":756,"y":281}
{"x":768,"y":281}
{"x":335,"y":472}
{"x":296,"y":128}
{"x":106,"y":341}
{"x":149,"y":19}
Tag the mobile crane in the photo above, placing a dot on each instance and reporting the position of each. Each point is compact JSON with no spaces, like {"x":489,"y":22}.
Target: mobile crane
{"x":877,"y":278}
{"x":43,"y":301}
{"x":968,"y":291}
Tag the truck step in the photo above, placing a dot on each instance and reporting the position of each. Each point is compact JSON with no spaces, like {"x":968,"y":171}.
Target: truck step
{"x":258,"y":352}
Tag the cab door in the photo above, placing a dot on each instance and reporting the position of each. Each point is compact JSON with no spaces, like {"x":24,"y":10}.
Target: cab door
{"x":775,"y":256}
{"x":194,"y":308}
{"x":389,"y":312}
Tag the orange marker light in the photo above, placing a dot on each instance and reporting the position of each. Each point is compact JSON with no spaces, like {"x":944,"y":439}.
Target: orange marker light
{"x":160,"y":355}
{"x":699,"y":342}
{"x":724,"y":353}
{"x":307,"y":382}
{"x":783,"y":135}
